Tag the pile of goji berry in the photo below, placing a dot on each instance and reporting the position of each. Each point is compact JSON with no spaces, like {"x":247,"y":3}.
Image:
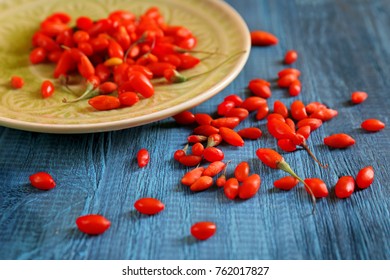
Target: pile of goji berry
{"x":119,"y":54}
{"x":291,"y":127}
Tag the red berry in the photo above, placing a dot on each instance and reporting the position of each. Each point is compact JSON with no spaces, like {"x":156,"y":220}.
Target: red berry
{"x":149,"y":206}
{"x":42,"y":180}
{"x":92,"y":224}
{"x":203,"y":230}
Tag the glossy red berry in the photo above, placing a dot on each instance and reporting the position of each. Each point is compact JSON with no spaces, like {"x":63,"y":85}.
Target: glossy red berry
{"x":149,"y":206}
{"x":92,"y":224}
{"x":203,"y":230}
{"x":42,"y":180}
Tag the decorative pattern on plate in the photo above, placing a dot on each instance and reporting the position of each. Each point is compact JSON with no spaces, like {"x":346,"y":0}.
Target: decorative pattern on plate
{"x":216,"y":25}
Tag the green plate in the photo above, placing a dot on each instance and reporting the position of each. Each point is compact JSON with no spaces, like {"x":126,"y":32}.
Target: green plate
{"x":217,"y":26}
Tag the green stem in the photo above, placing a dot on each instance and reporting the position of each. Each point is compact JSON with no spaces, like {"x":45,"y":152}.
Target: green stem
{"x":286,"y":168}
{"x":304,"y":145}
{"x":89,"y":92}
{"x":219,"y":65}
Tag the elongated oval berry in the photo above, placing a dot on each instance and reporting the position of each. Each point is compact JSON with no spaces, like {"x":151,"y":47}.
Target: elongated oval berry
{"x":214,"y":168}
{"x":312,"y":122}
{"x":231,"y":188}
{"x":298,"y":110}
{"x":201,"y":184}
{"x":231,"y":137}
{"x":241,"y":172}
{"x":190,"y":160}
{"x":372,"y":125}
{"x":231,"y":122}
{"x":191,"y":176}
{"x":280,"y":108}
{"x":42,"y":181}
{"x":252,"y":133}
{"x":206,"y":130}
{"x":365,"y":177}
{"x":263,"y":38}
{"x":289,"y":71}
{"x":203,"y":230}
{"x":249,"y":187}
{"x":149,"y":206}
{"x":324,"y":114}
{"x":253,"y":103}
{"x":317,"y":186}
{"x":92,"y":224}
{"x":197,"y":149}
{"x":239,"y":113}
{"x":184,"y":118}
{"x":358,"y":97}
{"x":212,"y":154}
{"x":143,"y":157}
{"x":47,"y":89}
{"x":104,"y":102}
{"x":286,"y":183}
{"x":287,"y":145}
{"x":295,"y":88}
{"x":203,"y":119}
{"x":339,"y":141}
{"x":259,"y":88}
{"x":344,"y":187}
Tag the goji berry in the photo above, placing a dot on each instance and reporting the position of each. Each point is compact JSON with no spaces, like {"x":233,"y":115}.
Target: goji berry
{"x":365,"y":177}
{"x":286,"y":183}
{"x":230,"y":188}
{"x":358,"y":97}
{"x":143,"y":157}
{"x":259,"y":88}
{"x":230,"y":122}
{"x":212,"y":154}
{"x":280,"y":108}
{"x":47,"y":89}
{"x":203,"y":119}
{"x":241,"y":172}
{"x":317,"y":187}
{"x":197,"y":149}
{"x":344,"y":187}
{"x":17,"y":82}
{"x":295,"y":88}
{"x":104,"y":102}
{"x":196,"y":138}
{"x":191,"y":176}
{"x":214,"y":168}
{"x":184,"y":118}
{"x":263,"y":38}
{"x":149,"y":206}
{"x":372,"y":125}
{"x":224,"y":107}
{"x":262,"y":112}
{"x":290,"y":57}
{"x":190,"y":160}
{"x":289,"y":71}
{"x":128,"y":98}
{"x":250,"y":133}
{"x":92,"y":224}
{"x":249,"y":187}
{"x":231,"y":137}
{"x":239,"y":113}
{"x":42,"y":181}
{"x":234,"y":98}
{"x":201,"y":184}
{"x":206,"y":130}
{"x":312,"y":122}
{"x":298,"y":110}
{"x":253,"y":103}
{"x":203,"y":230}
{"x":339,"y":141}
{"x":287,"y":145}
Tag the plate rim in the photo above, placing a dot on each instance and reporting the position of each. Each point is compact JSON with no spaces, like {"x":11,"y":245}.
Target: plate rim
{"x":155,"y":116}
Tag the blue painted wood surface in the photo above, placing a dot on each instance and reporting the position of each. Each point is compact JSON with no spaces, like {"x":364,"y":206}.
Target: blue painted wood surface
{"x":343,"y":45}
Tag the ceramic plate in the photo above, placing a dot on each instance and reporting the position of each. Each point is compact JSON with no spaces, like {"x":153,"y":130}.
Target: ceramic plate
{"x":217,"y":26}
